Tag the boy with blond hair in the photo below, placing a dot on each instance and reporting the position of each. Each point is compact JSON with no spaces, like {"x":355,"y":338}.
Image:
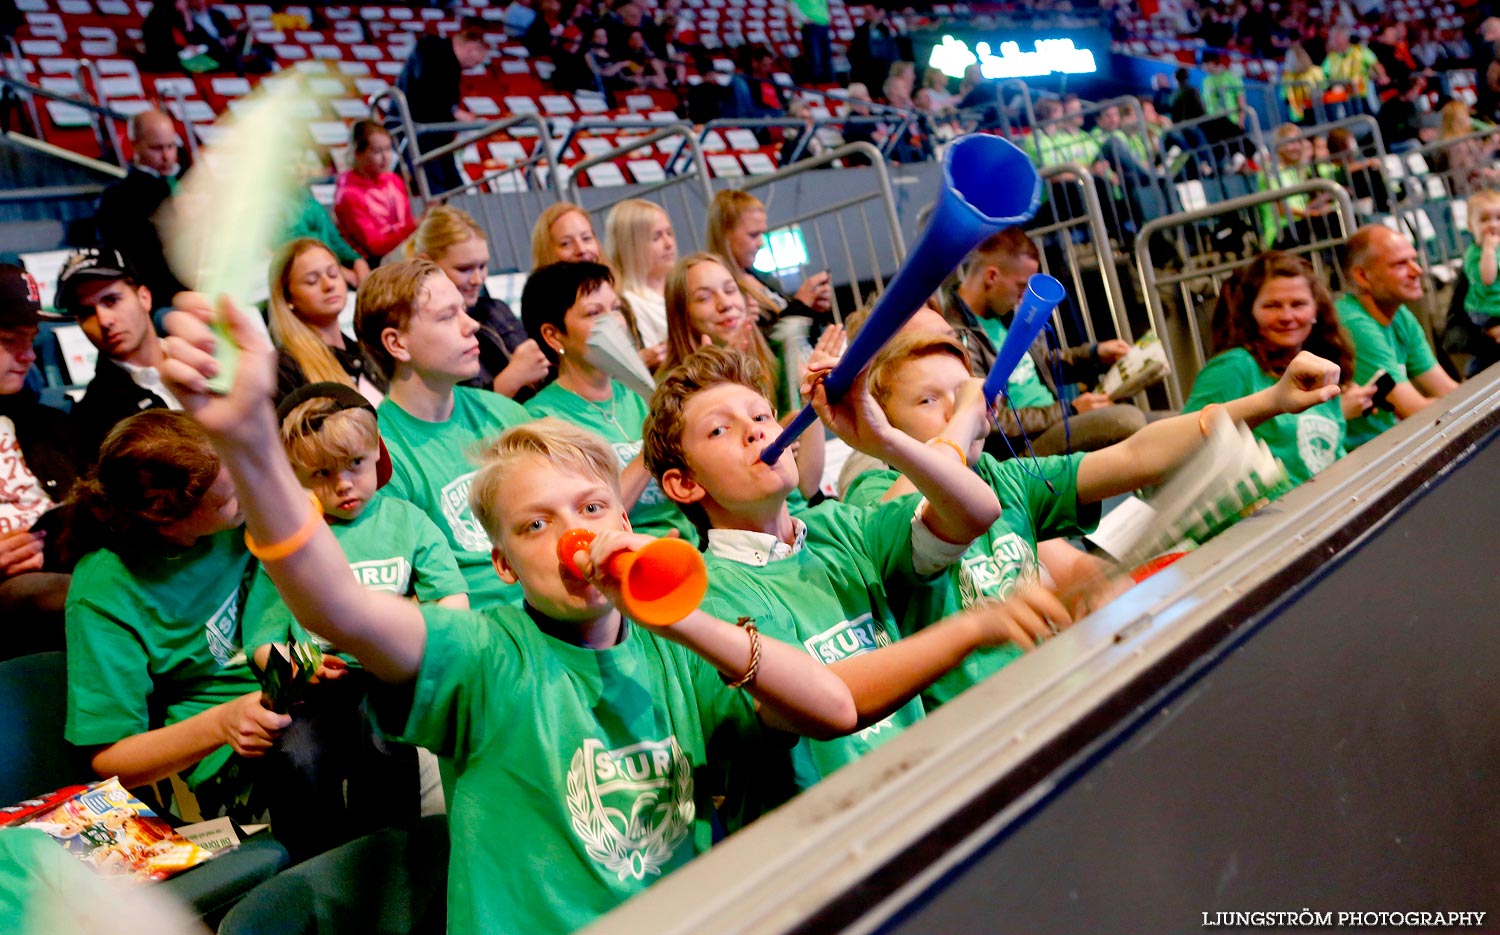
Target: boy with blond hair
{"x":1482,"y":262}
{"x":412,"y":321}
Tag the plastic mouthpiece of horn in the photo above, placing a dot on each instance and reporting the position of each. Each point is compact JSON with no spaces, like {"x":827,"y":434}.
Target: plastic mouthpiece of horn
{"x":988,"y":185}
{"x":661,"y":582}
{"x":1043,"y":294}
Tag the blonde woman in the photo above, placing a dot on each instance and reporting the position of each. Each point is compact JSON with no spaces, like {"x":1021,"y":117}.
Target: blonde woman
{"x":510,"y":363}
{"x":736,"y":232}
{"x":705,"y":306}
{"x":641,"y":246}
{"x":1468,"y":156}
{"x":308,"y":295}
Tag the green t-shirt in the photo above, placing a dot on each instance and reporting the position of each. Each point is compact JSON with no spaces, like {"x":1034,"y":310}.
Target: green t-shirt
{"x":1025,"y":388}
{"x":1001,"y":559}
{"x":1222,"y":93}
{"x":391,"y":546}
{"x":1480,"y":300}
{"x":1399,"y":349}
{"x":305,"y":217}
{"x":583,"y":775}
{"x":838,"y":596}
{"x":432,"y":467}
{"x":618,"y":422}
{"x":1306,"y":442}
{"x":156,"y":641}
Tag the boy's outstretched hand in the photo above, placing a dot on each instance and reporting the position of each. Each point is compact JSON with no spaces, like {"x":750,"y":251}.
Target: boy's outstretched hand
{"x":1308,"y":381}
{"x":189,"y":363}
{"x":1028,"y":616}
{"x":856,"y":418}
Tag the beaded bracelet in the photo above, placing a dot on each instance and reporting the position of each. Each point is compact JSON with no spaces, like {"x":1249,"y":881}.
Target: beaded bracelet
{"x":292,"y":544}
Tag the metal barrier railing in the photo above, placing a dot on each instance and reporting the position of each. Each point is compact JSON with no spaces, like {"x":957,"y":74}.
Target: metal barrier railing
{"x":680,"y":184}
{"x":1208,"y":269}
{"x":834,"y":215}
{"x":99,"y":115}
{"x":543,"y":156}
{"x":1091,"y":223}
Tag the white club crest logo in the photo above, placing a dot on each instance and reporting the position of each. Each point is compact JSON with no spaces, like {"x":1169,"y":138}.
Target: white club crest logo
{"x":1317,"y":440}
{"x":633,"y":806}
{"x":466,"y":530}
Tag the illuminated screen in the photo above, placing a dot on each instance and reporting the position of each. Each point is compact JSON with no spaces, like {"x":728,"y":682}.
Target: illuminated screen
{"x":785,"y":251}
{"x":1048,"y":57}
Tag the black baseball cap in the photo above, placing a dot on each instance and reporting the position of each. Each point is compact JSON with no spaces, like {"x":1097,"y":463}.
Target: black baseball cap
{"x":343,"y":397}
{"x":92,"y":264}
{"x":20,"y":298}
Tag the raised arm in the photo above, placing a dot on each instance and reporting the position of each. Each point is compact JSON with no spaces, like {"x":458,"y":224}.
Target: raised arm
{"x":383,"y":632}
{"x":960,"y":505}
{"x":1152,"y":453}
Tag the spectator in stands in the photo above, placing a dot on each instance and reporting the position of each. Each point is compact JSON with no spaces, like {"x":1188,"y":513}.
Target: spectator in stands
{"x":1293,"y":220}
{"x":510,"y":363}
{"x":1187,"y":103}
{"x":1400,"y":122}
{"x":979,"y":309}
{"x":817,"y":43}
{"x":1363,"y":176}
{"x":307,"y":218}
{"x":1352,"y":70}
{"x":127,"y":209}
{"x":914,"y":144}
{"x":410,"y":319}
{"x":563,"y":302}
{"x":752,"y":92}
{"x":935,"y":82}
{"x":572,"y":71}
{"x":1466,"y":158}
{"x":874,"y":47}
{"x":630,"y":17}
{"x":1427,"y":51}
{"x":644,"y":68}
{"x":1381,"y":268}
{"x":736,"y":233}
{"x":563,"y":233}
{"x":99,"y":289}
{"x":431,"y":81}
{"x":610,"y":72}
{"x":1487,"y":70}
{"x":791,"y":139}
{"x":190,"y":35}
{"x":1482,"y":300}
{"x":1161,"y":91}
{"x":1267,"y":314}
{"x":37,"y":469}
{"x":860,"y":123}
{"x":642,"y":246}
{"x":157,"y":683}
{"x":1303,"y":81}
{"x":369,"y":200}
{"x":308,"y":296}
{"x":1223,"y":89}
{"x":1396,"y":64}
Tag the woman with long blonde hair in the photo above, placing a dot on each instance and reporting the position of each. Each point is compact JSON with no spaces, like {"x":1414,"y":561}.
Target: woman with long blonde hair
{"x":736,"y":232}
{"x":1468,"y":156}
{"x":510,"y":363}
{"x":308,"y":295}
{"x":705,"y":306}
{"x":641,"y":246}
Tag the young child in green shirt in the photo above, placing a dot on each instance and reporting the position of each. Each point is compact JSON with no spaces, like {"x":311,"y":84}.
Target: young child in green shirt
{"x":411,"y":320}
{"x":1482,"y":262}
{"x":924,"y":385}
{"x":835,"y":578}
{"x":561,"y":303}
{"x":586,"y":748}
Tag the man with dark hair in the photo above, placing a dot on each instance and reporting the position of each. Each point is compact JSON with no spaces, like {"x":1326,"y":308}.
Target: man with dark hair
{"x":980,"y":310}
{"x":37,"y":469}
{"x":430,"y":81}
{"x":752,"y":93}
{"x":128,"y":207}
{"x":99,"y":289}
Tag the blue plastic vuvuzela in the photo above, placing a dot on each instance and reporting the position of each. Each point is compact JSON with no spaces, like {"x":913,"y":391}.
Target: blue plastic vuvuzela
{"x":988,"y":185}
{"x":1043,"y":293}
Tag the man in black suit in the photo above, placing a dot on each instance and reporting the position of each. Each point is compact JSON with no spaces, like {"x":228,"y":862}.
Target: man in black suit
{"x":127,"y":209}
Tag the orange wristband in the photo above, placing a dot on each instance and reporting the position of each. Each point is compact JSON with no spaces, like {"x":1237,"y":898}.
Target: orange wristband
{"x":940,"y":440}
{"x":292,"y":544}
{"x":1203,"y":418}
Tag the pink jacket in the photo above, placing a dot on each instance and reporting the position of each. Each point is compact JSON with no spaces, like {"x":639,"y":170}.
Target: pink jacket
{"x":374,"y":216}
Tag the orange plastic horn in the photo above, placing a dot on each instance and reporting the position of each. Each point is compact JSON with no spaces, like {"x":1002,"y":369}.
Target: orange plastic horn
{"x":661,"y":583}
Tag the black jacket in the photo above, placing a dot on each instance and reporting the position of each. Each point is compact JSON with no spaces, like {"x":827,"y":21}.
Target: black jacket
{"x":111,"y":397}
{"x":125,"y":223}
{"x":351,"y":357}
{"x":430,"y":80}
{"x":500,"y":333}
